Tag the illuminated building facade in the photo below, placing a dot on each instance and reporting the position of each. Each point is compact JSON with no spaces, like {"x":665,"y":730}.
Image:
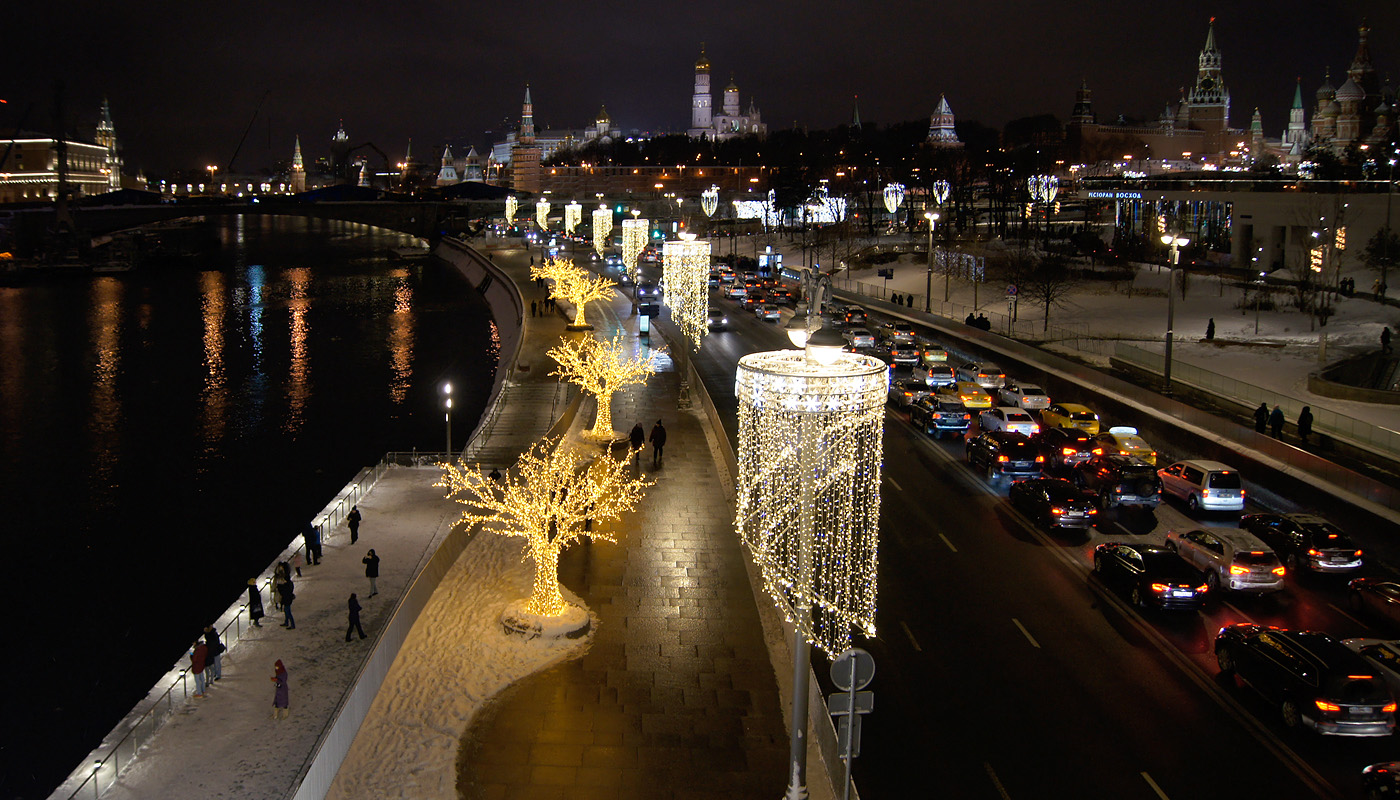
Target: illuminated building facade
{"x":705,"y":124}
{"x":525,"y":153}
{"x":30,"y":173}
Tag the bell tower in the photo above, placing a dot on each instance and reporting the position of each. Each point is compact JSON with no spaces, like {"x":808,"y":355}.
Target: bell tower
{"x":701,"y":108}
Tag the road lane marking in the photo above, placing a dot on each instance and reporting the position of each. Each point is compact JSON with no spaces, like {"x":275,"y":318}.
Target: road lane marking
{"x":1243,"y":615}
{"x":1154,"y":786}
{"x":1029,"y":637}
{"x":910,"y":634}
{"x":991,"y":773}
{"x":1120,"y":527}
{"x":1345,"y":614}
{"x":895,"y":485}
{"x":950,"y":544}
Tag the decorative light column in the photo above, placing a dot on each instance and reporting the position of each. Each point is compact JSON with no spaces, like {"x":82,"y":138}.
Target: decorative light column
{"x":542,"y":213}
{"x":894,"y":198}
{"x":685,"y":267}
{"x":573,"y":215}
{"x":602,"y":228}
{"x":1043,"y":189}
{"x":634,"y":239}
{"x":512,"y":205}
{"x":709,"y":200}
{"x":1174,"y":242}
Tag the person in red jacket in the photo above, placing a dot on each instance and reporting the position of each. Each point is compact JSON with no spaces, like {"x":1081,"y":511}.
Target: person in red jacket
{"x":198,"y":657}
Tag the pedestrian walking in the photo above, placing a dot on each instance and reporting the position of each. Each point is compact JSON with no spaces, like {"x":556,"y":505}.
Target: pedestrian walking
{"x":371,"y":563}
{"x":1385,"y":339}
{"x":1376,"y":289}
{"x":280,"y":575}
{"x":894,"y":298}
{"x":1261,"y":417}
{"x":532,"y":308}
{"x":1276,"y":422}
{"x":312,"y":536}
{"x":637,"y":439}
{"x":1210,"y":330}
{"x":353,"y":520}
{"x":287,"y":591}
{"x":658,"y":442}
{"x":281,"y":698}
{"x":1305,"y":419}
{"x":215,"y":659}
{"x":495,"y":475}
{"x":354,"y":618}
{"x":255,"y":605}
{"x":199,"y":657}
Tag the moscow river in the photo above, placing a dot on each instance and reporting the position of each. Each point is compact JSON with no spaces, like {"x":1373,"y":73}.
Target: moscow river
{"x":165,"y":433}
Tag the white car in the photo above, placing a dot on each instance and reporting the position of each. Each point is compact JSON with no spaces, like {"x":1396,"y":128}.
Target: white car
{"x":736,"y":291}
{"x":1231,"y":558}
{"x":860,"y":337}
{"x":1025,"y":396}
{"x":1006,"y":418}
{"x":898,"y":329}
{"x":1204,"y":485}
{"x":986,"y":375}
{"x":935,"y":374}
{"x":717,"y":319}
{"x":767,"y":311}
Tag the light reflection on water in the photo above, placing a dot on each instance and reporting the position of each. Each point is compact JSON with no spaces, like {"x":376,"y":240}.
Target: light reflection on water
{"x":215,"y":393}
{"x":401,"y":337}
{"x":104,"y":422}
{"x":299,"y":375}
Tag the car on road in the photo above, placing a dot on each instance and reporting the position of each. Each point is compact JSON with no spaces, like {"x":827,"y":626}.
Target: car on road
{"x":716,"y":319}
{"x":933,"y":352}
{"x":935,"y":374}
{"x":1066,"y":447}
{"x":781,"y":296}
{"x":905,"y":391}
{"x":1232,"y":558}
{"x":769,"y":312}
{"x":1115,"y":480}
{"x":860,"y":337}
{"x":1316,"y":681}
{"x":1053,"y":503}
{"x":982,"y":373}
{"x":1024,"y":395}
{"x":648,"y":292}
{"x":940,"y":416}
{"x":1375,"y":598}
{"x":1005,"y":418}
{"x":1002,"y":454}
{"x":1070,"y":415}
{"x":1125,"y":441}
{"x":969,"y":394}
{"x":1153,"y":576}
{"x":854,"y":316}
{"x":1384,"y":655}
{"x":897,"y":329}
{"x":905,"y":352}
{"x":753,"y":300}
{"x":736,"y":291}
{"x":613,"y":261}
{"x":1204,"y":485}
{"x":1306,"y":542}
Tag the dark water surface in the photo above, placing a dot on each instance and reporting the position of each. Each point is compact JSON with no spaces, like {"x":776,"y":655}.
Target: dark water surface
{"x":163,"y":435}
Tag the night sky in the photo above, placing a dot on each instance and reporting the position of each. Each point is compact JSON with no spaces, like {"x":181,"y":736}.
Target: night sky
{"x":184,"y":78}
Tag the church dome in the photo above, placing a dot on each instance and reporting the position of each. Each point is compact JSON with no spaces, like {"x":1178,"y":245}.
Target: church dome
{"x":1350,"y":91}
{"x":703,"y":62}
{"x":1325,"y":91}
{"x":603,"y":115}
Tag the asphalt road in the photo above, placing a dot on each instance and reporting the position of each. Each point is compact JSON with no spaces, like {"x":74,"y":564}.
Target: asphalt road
{"x":1006,"y":670}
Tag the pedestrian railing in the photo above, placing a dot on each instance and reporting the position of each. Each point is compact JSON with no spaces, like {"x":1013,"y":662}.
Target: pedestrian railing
{"x":1340,"y":426}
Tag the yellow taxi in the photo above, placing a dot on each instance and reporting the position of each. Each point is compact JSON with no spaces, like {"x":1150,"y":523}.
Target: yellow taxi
{"x":1070,"y":415}
{"x":968,"y":393}
{"x":1125,"y":441}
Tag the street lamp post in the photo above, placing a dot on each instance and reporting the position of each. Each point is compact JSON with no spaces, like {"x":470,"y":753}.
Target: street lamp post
{"x":1175,"y":243}
{"x":447,"y":390}
{"x":932,"y":217}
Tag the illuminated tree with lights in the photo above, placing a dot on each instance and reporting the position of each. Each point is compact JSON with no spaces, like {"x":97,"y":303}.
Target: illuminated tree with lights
{"x":602,"y":368}
{"x":576,"y":285}
{"x":547,"y":500}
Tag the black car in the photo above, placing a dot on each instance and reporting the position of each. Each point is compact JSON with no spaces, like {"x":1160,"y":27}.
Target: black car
{"x":1118,"y":480}
{"x":1053,"y":503}
{"x":940,"y":416}
{"x":1316,"y":680}
{"x":1002,"y":454}
{"x":1066,"y":447}
{"x":1305,"y":542}
{"x":1153,"y":576}
{"x":1380,"y":599}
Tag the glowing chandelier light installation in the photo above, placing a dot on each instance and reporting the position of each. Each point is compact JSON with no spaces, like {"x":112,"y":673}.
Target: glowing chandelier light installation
{"x":709,"y":200}
{"x":512,"y":205}
{"x":685,"y":266}
{"x":810,"y":447}
{"x":1043,"y":188}
{"x":940,"y":191}
{"x":602,"y":228}
{"x":634,"y":240}
{"x":573,"y":215}
{"x":542,"y":213}
{"x":894,"y":196}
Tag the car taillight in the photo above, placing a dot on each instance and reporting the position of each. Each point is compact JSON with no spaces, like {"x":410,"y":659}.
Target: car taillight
{"x":1205,"y":493}
{"x":967,"y":416}
{"x":1278,"y":571}
{"x":1035,"y":429}
{"x":1057,"y":511}
{"x":1093,"y":511}
{"x":1388,"y":708}
{"x":1098,"y":451}
{"x":1040,"y":459}
{"x":1314,"y":553}
{"x":1203,"y":588}
{"x":1358,"y":554}
{"x":1068,"y":451}
{"x":1236,"y":569}
{"x":1323,"y":705}
{"x":1122,"y":452}
{"x":1002,"y":458}
{"x":1159,"y":587}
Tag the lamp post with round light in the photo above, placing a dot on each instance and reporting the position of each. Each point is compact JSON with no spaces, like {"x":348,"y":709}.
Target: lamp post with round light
{"x":1175,"y":243}
{"x":932,"y":217}
{"x":447,"y":392}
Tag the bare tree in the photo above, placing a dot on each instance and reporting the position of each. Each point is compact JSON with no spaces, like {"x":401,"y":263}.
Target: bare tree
{"x":1048,"y":284}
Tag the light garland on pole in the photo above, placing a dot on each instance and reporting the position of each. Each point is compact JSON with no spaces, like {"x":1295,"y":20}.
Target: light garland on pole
{"x":940,"y":191}
{"x":512,"y":205}
{"x":602,"y":228}
{"x":576,"y":285}
{"x":602,"y":368}
{"x":547,"y":499}
{"x":894,"y":196}
{"x":685,"y":267}
{"x":709,"y":200}
{"x":635,"y":232}
{"x":542,"y":213}
{"x":573,"y":215}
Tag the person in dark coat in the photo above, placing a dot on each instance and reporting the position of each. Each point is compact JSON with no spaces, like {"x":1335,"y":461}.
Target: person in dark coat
{"x":312,"y":536}
{"x":971,"y":321}
{"x":1276,"y":422}
{"x":1385,"y":339}
{"x":1305,"y":419}
{"x":354,"y":618}
{"x":1261,"y":417}
{"x":534,"y":304}
{"x":1210,"y":330}
{"x":216,"y":653}
{"x":199,"y":657}
{"x":658,"y":442}
{"x":909,"y":300}
{"x":896,"y":299}
{"x":281,"y":699}
{"x":353,"y":520}
{"x":255,"y":605}
{"x":371,"y":563}
{"x":287,"y":592}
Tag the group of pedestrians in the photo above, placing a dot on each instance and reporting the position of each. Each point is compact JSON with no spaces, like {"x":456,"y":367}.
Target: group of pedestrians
{"x":657,"y":439}
{"x":902,"y":299}
{"x":979,"y":322}
{"x":1274,"y":421}
{"x":542,"y":307}
{"x":206,"y":661}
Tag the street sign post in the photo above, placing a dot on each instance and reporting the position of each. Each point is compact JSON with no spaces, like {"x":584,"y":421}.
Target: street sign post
{"x":851,"y":672}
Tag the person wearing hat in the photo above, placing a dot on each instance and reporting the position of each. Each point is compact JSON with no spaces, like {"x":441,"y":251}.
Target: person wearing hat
{"x":281,"y":702}
{"x":255,"y":606}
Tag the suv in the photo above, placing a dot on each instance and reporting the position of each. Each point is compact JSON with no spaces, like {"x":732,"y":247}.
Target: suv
{"x":1230,"y":557}
{"x":1204,"y":485}
{"x":935,"y":374}
{"x":940,"y":416}
{"x":1117,"y":480}
{"x":904,"y":351}
{"x":1066,"y":447}
{"x":1002,"y":454}
{"x":1305,"y":541}
{"x":1315,"y":680}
